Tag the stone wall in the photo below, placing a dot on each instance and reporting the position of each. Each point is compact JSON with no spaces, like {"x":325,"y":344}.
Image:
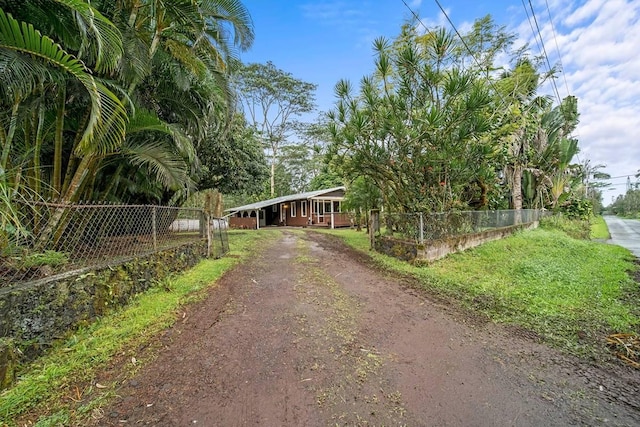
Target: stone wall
{"x":401,"y":249}
{"x":33,"y":315}
{"x":435,"y":249}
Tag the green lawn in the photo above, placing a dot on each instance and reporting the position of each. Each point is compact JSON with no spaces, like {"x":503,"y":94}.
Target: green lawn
{"x":599,"y":229}
{"x":541,"y":279}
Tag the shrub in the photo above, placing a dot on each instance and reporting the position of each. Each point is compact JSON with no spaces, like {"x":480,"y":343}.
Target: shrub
{"x":574,"y":227}
{"x":577,"y":209}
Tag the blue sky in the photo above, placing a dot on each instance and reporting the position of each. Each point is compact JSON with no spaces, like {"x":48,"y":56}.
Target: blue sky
{"x":597,"y":42}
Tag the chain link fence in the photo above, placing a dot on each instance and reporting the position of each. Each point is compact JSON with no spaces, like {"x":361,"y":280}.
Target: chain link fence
{"x":423,"y":227}
{"x":63,"y":237}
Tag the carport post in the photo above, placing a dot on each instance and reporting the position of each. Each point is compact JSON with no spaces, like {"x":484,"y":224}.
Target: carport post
{"x":257,"y":219}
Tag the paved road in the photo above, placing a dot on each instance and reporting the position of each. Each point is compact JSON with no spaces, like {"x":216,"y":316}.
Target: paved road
{"x":624,"y":232}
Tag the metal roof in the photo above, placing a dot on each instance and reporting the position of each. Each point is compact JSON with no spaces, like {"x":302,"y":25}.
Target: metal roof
{"x":283,"y":199}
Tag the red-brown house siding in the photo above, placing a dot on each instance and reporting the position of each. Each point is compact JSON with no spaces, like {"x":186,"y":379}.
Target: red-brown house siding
{"x":319,"y":206}
{"x":297,"y":220}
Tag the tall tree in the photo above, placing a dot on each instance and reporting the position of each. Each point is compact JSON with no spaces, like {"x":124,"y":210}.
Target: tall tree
{"x":102,"y":92}
{"x":233,"y":159}
{"x":272,"y":100}
{"x":537,"y":138}
{"x":417,"y":127}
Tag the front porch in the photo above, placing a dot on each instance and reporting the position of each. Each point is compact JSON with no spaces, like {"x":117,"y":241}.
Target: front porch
{"x":331,"y":220}
{"x":321,"y":208}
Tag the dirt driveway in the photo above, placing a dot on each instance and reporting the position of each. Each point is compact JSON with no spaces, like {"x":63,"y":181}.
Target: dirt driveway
{"x":311,"y":334}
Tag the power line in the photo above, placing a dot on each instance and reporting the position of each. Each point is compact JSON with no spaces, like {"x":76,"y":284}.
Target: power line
{"x":533,"y":31}
{"x":502,"y":100}
{"x":544,"y":50}
{"x":555,"y":38}
{"x":633,"y":175}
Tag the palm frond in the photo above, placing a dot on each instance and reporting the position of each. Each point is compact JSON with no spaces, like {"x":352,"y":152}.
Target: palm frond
{"x":167,"y":167}
{"x":233,"y":12}
{"x":108,"y":116}
{"x":147,"y":121}
{"x":101,"y":39}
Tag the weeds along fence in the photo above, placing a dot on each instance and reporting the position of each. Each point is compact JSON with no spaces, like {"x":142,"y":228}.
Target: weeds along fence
{"x":61,"y":237}
{"x":423,"y":227}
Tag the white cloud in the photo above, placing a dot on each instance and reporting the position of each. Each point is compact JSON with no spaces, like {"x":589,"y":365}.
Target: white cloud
{"x":598,"y":42}
{"x":431,"y":23}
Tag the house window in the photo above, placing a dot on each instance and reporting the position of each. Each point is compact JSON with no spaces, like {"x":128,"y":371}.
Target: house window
{"x":274,"y":208}
{"x":303,"y":208}
{"x":336,"y":206}
{"x":283,"y":212}
{"x":293,"y":209}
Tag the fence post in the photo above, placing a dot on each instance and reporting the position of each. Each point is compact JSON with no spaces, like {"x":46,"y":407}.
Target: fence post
{"x":375,"y":226}
{"x":421,"y":228}
{"x":207,"y":218}
{"x":154,"y":228}
{"x":220,"y":231}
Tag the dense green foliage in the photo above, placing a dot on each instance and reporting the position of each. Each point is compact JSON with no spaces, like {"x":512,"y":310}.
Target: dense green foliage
{"x":109,"y":99}
{"x":113,"y":100}
{"x":436,"y":127}
{"x":233,"y":160}
{"x":628,"y":204}
{"x":577,"y":208}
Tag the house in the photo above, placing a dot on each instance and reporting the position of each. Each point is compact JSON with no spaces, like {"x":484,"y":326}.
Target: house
{"x":321,"y":208}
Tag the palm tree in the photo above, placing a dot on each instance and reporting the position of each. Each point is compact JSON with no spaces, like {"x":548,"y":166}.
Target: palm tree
{"x":35,"y":68}
{"x":82,"y":82}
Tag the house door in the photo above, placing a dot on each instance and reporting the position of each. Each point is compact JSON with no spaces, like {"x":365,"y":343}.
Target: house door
{"x":318,"y":209}
{"x":283,"y":213}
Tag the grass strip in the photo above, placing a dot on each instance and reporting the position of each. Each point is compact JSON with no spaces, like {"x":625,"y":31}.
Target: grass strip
{"x":571,"y":292}
{"x":599,"y":229}
{"x":45,"y":383}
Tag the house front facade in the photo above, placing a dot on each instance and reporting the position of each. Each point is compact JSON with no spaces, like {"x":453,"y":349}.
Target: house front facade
{"x":320,"y":208}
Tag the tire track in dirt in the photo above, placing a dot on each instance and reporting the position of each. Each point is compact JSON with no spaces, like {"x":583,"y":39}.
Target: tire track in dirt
{"x":308,"y":334}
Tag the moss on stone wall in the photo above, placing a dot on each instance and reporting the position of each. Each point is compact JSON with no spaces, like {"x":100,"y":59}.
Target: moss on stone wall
{"x":7,"y":363}
{"x":422,"y":254}
{"x":400,"y":249}
{"x":32,"y":316}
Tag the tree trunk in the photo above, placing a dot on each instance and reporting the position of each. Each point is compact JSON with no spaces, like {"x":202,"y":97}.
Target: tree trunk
{"x":517,"y":188}
{"x":37,"y":148}
{"x":8,"y":140}
{"x":272,"y":178}
{"x":54,"y":227}
{"x":58,"y":142}
{"x":516,"y":193}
